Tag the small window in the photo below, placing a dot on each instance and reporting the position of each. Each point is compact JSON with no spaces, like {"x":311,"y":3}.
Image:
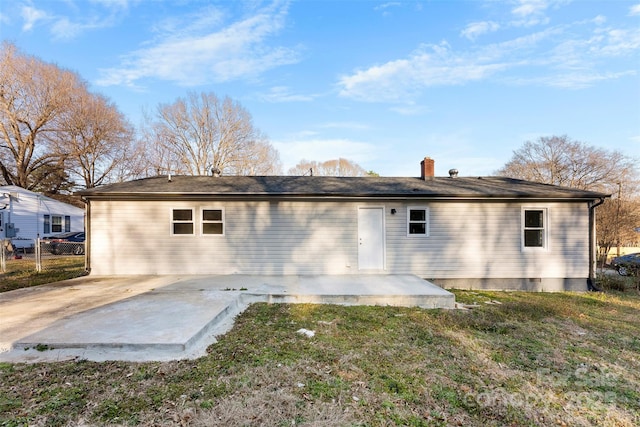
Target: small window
{"x":182,"y":222}
{"x":213,"y":221}
{"x":67,"y":223}
{"x":56,"y":224}
{"x":417,"y":221}
{"x":534,"y":228}
{"x":47,"y":224}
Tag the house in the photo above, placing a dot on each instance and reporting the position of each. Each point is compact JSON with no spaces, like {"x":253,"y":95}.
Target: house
{"x":25,"y":216}
{"x":468,"y":232}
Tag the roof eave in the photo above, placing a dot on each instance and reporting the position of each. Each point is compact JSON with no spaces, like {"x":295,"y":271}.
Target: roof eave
{"x":334,"y":196}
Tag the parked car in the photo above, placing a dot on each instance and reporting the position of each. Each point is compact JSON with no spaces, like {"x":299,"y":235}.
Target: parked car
{"x":64,"y":243}
{"x":627,"y":265}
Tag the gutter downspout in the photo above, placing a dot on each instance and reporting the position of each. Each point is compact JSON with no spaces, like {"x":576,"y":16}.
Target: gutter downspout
{"x":87,"y":240}
{"x":591,"y":281}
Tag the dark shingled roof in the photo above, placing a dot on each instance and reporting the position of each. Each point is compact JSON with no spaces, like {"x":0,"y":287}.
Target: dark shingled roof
{"x":336,"y":187}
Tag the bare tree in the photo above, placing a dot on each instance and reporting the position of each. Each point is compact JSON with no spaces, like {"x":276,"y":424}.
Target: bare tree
{"x":136,"y":164}
{"x":304,"y":168}
{"x":203,"y":133}
{"x":34,"y":95}
{"x":97,"y":141}
{"x":561,"y":161}
{"x":336,"y":167}
{"x":260,"y":159}
{"x":618,"y":223}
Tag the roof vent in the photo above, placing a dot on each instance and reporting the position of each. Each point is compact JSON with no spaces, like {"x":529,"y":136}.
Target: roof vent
{"x":216,"y":172}
{"x":453,"y":173}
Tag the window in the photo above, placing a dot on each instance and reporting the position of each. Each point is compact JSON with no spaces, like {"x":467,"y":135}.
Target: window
{"x":54,"y":224}
{"x":534,"y":228}
{"x":213,"y":222}
{"x":182,"y":222}
{"x":417,"y":221}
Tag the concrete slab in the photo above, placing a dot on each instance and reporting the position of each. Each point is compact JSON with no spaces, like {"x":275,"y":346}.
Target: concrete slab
{"x":395,"y":290}
{"x":172,"y":317}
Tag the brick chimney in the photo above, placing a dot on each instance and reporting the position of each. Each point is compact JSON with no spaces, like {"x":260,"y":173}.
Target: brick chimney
{"x":427,"y":168}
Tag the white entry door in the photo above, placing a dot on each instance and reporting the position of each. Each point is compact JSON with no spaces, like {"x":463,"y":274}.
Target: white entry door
{"x":371,"y":238}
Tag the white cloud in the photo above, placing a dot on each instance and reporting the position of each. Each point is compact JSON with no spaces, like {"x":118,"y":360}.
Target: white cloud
{"x":618,"y":43}
{"x":528,"y":13}
{"x":114,"y":4}
{"x":31,"y":16}
{"x":572,"y":80}
{"x":196,"y":57}
{"x":575,"y":55}
{"x":346,"y":125}
{"x":65,"y":29}
{"x":527,"y":8}
{"x":398,"y":80}
{"x":384,"y":8}
{"x":387,"y":5}
{"x":105,"y":14}
{"x":634,"y":10}
{"x":200,"y":21}
{"x":475,"y":29}
{"x":284,"y":94}
{"x":599,"y":20}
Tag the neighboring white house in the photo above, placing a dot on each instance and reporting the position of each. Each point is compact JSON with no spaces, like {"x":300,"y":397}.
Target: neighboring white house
{"x":25,"y":215}
{"x":466,"y":232}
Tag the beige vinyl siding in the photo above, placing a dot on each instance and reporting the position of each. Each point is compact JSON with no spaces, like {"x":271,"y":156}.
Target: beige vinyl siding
{"x":484,"y":240}
{"x":466,"y":239}
{"x":260,"y":238}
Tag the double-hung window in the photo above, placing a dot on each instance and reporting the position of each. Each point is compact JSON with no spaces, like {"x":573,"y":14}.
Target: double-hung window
{"x":417,"y":221}
{"x":534,"y":228}
{"x":185,"y":220}
{"x":212,"y":222}
{"x":182,"y":222}
{"x":54,"y":224}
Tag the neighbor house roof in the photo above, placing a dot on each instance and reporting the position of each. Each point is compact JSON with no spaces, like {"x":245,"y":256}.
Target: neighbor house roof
{"x":163,"y":187}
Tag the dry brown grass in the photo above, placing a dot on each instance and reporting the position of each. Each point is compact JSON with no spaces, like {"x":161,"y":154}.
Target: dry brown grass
{"x":21,"y":273}
{"x":535,"y":359}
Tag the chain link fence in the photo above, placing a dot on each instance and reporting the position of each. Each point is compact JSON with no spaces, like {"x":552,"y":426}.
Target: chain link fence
{"x":40,"y":255}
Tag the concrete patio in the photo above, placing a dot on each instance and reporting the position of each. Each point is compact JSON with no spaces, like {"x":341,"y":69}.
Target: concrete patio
{"x":143,"y":318}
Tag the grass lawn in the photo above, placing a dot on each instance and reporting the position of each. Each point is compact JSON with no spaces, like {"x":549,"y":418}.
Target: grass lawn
{"x":21,"y":272}
{"x":518,"y":359}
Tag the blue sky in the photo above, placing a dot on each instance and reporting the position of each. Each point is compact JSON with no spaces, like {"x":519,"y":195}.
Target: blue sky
{"x":381,"y":83}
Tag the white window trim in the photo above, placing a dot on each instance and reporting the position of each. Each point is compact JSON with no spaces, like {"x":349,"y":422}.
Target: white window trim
{"x":60,"y":224}
{"x":171,"y":221}
{"x":427,"y":228}
{"x":222,"y":221}
{"x":545,"y":229}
